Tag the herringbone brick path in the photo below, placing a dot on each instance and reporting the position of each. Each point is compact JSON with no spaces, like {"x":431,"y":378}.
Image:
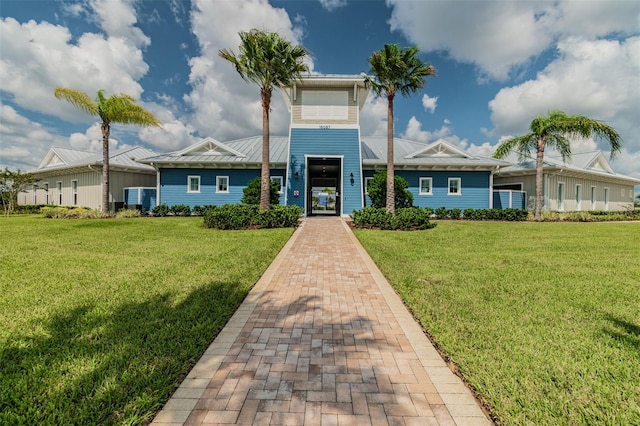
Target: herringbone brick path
{"x":322,"y":339}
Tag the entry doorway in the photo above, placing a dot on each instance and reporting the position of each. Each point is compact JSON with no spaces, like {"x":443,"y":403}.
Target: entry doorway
{"x":324,"y":186}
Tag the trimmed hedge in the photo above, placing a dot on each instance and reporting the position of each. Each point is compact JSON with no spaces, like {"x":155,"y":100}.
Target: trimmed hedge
{"x":408,"y":218}
{"x":246,"y":216}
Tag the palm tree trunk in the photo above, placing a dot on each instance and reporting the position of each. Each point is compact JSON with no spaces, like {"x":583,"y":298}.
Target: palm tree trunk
{"x":106,"y":130}
{"x":391,"y":199}
{"x":539,"y":170}
{"x":265,"y":93}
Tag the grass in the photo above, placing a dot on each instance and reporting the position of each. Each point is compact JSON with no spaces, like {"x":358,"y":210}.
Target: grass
{"x":101,"y":319}
{"x":542,"y":319}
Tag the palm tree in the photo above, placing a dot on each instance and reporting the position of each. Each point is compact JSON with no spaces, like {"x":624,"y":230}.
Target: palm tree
{"x":395,"y":70}
{"x":119,"y":108}
{"x":269,"y":61}
{"x":555,"y":131}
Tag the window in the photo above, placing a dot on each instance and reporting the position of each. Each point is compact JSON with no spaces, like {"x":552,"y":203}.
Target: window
{"x":622,"y":192}
{"x":454,"y":186}
{"x":325,"y":105}
{"x":425,"y":186}
{"x":46,"y":192}
{"x":578,"y":196}
{"x":606,"y":198}
{"x":59,"y":186}
{"x":74,"y":192}
{"x":222,"y":183}
{"x":278,"y":180}
{"x":193,"y":184}
{"x":35,"y":194}
{"x":366,"y":184}
{"x":561,"y":196}
{"x":593,"y":198}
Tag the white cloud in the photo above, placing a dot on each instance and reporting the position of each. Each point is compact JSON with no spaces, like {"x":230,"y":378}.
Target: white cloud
{"x":373,"y":117}
{"x":37,"y":57}
{"x":414,"y":132}
{"x":499,"y":36}
{"x":224,"y":105}
{"x":429,"y":104}
{"x":598,"y":79}
{"x":22,"y":141}
{"x":332,"y":5}
{"x":118,"y":19}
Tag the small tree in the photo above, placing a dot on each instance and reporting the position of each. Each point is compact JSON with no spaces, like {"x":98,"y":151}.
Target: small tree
{"x":377,"y":190}
{"x":251,"y":194}
{"x":11,"y":184}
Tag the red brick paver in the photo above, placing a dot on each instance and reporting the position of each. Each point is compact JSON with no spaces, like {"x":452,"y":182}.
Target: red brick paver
{"x":322,"y":339}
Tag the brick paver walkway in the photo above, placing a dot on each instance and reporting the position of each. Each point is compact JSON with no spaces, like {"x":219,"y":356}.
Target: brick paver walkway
{"x":322,"y":339}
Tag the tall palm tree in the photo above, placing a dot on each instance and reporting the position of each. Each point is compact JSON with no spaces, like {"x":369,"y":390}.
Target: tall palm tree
{"x":395,"y":70}
{"x":555,"y":130}
{"x":269,"y":61}
{"x":118,"y":108}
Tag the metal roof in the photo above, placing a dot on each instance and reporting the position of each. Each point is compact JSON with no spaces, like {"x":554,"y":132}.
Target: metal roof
{"x":60,"y":159}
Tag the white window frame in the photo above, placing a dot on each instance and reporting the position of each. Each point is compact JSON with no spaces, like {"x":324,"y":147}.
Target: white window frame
{"x":74,"y":192}
{"x":593,"y":197}
{"x":606,"y":198}
{"x":45,"y":185}
{"x":366,"y":184}
{"x":194,"y":178}
{"x":459,"y":186}
{"x":561,"y":196}
{"x":622,"y":192}
{"x":280,"y":181}
{"x":218,"y":180}
{"x":578,"y":197}
{"x":59,"y":188}
{"x":425,"y":179}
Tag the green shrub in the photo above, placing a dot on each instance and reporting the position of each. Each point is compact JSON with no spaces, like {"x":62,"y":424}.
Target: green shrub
{"x":371,"y":217}
{"x":243,"y":216}
{"x":161,"y":210}
{"x":441,"y":213}
{"x":73,"y":213}
{"x":180,"y":210}
{"x":279,"y":217}
{"x":201,"y":210}
{"x":455,"y":213}
{"x":377,"y":190}
{"x":123,"y":213}
{"x":251,"y":194}
{"x":469,"y":214}
{"x":408,"y":218}
{"x":411,"y":218}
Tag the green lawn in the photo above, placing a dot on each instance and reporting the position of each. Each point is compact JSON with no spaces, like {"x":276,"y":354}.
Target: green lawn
{"x":542,"y":319}
{"x":101,"y":319}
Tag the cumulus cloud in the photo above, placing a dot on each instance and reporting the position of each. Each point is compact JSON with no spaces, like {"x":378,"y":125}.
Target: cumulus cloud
{"x":114,"y":63}
{"x":373,"y":117}
{"x":598,"y":79}
{"x":499,"y":37}
{"x":332,"y":5}
{"x":22,"y":141}
{"x":224,"y":105}
{"x":429,"y":104}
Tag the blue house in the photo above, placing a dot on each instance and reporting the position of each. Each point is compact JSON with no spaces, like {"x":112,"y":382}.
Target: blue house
{"x":324,"y":164}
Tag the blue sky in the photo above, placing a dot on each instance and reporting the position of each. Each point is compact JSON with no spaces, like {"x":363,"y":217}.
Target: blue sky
{"x":499,"y":64}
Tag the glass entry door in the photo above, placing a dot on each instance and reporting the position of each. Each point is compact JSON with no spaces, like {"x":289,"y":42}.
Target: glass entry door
{"x":324,"y":193}
{"x":323,"y":186}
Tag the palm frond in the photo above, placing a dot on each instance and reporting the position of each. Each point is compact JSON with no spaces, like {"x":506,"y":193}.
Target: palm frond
{"x":77,"y":98}
{"x":521,"y":145}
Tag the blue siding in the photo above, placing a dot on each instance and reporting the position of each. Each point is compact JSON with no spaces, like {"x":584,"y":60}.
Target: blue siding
{"x":330,"y":142}
{"x":501,"y":199}
{"x":173,"y":185}
{"x":474,"y":192}
{"x":146,"y":197}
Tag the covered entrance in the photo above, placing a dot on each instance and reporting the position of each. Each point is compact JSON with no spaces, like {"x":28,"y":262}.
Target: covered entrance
{"x":324,"y":186}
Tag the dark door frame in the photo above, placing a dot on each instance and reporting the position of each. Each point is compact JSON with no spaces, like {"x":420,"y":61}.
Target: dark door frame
{"x":314,"y":165}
